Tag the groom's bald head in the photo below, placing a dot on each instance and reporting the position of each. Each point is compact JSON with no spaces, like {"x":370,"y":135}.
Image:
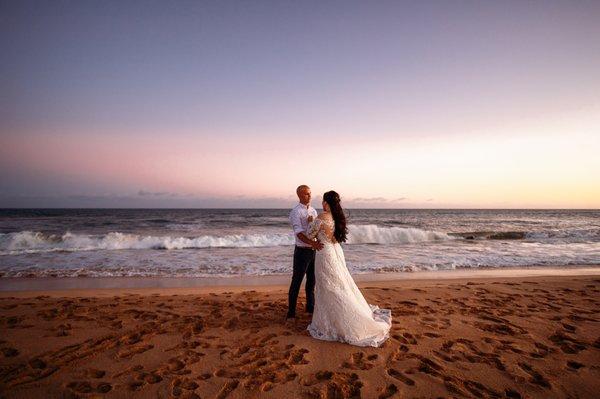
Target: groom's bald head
{"x":302,"y":187}
{"x":303,"y":192}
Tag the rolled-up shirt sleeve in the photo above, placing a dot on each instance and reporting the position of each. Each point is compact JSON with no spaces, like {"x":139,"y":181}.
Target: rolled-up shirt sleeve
{"x":296,"y":222}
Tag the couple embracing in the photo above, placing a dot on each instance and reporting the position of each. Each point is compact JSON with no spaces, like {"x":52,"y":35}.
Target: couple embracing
{"x":339,"y":310}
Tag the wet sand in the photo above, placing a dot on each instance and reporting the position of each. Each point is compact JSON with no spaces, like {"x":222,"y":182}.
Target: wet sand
{"x":498,"y":337}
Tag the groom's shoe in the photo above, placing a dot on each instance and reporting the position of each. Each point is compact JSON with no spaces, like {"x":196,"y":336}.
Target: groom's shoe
{"x":290,"y":316}
{"x":290,"y":320}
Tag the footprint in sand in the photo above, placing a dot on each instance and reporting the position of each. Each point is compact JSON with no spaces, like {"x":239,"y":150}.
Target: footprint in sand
{"x":186,"y":384}
{"x":127,"y":353}
{"x":465,"y":349}
{"x":86,"y":387}
{"x":360,"y":361}
{"x":452,"y":386}
{"x":103,"y":387}
{"x":410,"y":338}
{"x":479,"y":390}
{"x":573,"y":365}
{"x":536,"y":377}
{"x":80,"y":386}
{"x":405,"y":338}
{"x":227,"y":389}
{"x":152,"y":378}
{"x":128,"y":370}
{"x":430,"y":367}
{"x":175,"y":366}
{"x":10,"y":352}
{"x":400,"y":377}
{"x":94,"y":373}
{"x":541,"y":351}
{"x":333,"y":385}
{"x":297,"y":356}
{"x":138,"y":382}
{"x":566,"y":343}
{"x":388,"y":391}
{"x":37,"y":363}
{"x":512,"y":394}
{"x":263,"y":368}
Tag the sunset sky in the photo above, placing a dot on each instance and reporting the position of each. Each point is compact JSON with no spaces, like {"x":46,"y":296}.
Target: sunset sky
{"x":233,"y":104}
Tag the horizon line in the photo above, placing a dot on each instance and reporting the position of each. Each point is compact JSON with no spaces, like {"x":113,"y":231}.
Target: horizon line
{"x":257,"y":208}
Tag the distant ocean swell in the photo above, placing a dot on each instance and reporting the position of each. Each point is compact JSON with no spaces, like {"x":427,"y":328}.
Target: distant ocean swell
{"x":34,"y":242}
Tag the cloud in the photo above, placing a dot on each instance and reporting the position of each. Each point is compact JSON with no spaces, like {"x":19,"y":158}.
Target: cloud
{"x":83,"y":196}
{"x":372,"y":199}
{"x":142,"y":199}
{"x":144,"y":193}
{"x":429,"y":199}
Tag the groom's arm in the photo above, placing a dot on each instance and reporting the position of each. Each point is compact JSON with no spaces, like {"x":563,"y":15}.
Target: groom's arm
{"x":299,"y":231}
{"x":315,"y":244}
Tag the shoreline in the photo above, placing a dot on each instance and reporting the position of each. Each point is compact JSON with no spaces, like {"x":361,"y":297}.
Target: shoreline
{"x":103,"y":286}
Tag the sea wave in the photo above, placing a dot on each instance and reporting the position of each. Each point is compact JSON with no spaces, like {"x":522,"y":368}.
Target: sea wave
{"x":592,"y":234}
{"x":373,"y":234}
{"x":24,"y":242}
{"x":569,"y":235}
{"x":34,"y":242}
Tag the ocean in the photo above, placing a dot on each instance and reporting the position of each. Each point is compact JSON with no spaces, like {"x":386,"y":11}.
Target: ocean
{"x":238,"y":242}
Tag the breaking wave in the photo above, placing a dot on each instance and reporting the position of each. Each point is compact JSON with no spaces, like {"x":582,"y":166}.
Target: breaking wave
{"x":34,"y":242}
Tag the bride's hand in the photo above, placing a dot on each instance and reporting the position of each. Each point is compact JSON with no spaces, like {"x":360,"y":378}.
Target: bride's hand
{"x":310,"y":219}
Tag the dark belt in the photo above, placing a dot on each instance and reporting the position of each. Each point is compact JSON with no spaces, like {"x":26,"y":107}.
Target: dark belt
{"x":305,"y":248}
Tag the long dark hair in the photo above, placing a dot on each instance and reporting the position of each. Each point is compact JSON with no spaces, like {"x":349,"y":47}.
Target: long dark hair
{"x":333,"y":200}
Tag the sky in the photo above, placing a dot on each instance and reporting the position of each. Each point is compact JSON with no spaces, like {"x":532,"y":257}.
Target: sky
{"x":433,"y":104}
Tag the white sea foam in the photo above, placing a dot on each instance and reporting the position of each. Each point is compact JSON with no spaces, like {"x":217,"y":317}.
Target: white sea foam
{"x":372,"y":234}
{"x":24,"y":242}
{"x":34,"y":242}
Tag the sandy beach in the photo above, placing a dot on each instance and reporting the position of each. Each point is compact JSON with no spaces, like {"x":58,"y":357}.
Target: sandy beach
{"x":174,"y":174}
{"x":529,"y":336}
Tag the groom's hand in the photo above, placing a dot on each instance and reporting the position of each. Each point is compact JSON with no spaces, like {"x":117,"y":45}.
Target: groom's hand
{"x":317,"y":245}
{"x":310,"y":219}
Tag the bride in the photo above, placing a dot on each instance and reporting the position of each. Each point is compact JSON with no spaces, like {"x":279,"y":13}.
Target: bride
{"x":341,"y":312}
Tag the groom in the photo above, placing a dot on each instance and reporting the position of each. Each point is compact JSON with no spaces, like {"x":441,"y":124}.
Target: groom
{"x":304,"y":252}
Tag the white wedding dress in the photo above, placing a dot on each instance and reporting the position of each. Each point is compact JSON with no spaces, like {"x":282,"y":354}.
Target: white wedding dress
{"x":341,"y":312}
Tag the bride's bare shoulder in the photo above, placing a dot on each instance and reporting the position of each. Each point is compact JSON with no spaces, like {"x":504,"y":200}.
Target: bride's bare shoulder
{"x":325,"y":216}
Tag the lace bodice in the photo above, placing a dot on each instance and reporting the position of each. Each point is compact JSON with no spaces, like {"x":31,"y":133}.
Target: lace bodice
{"x":322,"y":228}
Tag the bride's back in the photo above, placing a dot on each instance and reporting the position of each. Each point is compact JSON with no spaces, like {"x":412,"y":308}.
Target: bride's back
{"x":327,"y":228}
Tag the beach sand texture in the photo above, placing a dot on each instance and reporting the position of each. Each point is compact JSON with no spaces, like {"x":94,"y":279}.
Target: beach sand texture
{"x":524,"y":337}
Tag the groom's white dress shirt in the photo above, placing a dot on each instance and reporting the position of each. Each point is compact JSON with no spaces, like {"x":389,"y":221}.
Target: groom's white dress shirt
{"x":299,"y":220}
